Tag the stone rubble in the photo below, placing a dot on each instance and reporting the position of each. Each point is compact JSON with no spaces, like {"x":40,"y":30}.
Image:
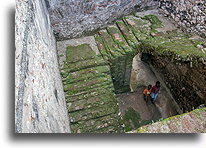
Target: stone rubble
{"x":189,"y":14}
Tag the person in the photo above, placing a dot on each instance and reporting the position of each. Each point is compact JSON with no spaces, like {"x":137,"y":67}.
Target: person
{"x":154,"y":91}
{"x":147,"y":92}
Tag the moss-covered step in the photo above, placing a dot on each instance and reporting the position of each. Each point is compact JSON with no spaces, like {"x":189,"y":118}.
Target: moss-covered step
{"x":88,"y":89}
{"x":140,"y":28}
{"x":102,"y":48}
{"x":128,"y":34}
{"x":98,"y":125}
{"x":88,"y":73}
{"x":71,"y":89}
{"x":94,"y":112}
{"x":89,"y":94}
{"x":76,"y":66}
{"x":91,"y":102}
{"x":109,"y":43}
{"x":79,"y":53}
{"x":192,"y":122}
{"x":179,"y":45}
{"x":118,"y":38}
{"x":154,"y":20}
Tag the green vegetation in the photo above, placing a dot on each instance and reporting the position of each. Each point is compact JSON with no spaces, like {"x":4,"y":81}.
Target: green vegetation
{"x":88,"y":85}
{"x":154,"y":20}
{"x":132,"y":120}
{"x":199,"y":113}
{"x":91,"y":102}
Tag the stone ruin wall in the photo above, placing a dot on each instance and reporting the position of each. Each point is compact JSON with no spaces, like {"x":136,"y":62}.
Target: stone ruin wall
{"x":189,"y":14}
{"x":40,"y":103}
{"x":181,"y":77}
{"x":39,"y":98}
{"x":71,"y":19}
{"x":90,"y":15}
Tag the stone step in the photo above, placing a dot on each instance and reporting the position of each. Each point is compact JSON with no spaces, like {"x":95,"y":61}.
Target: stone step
{"x":139,"y":27}
{"x":79,"y":53}
{"x":86,"y":74}
{"x":91,"y":102}
{"x":88,"y":84}
{"x":118,"y":38}
{"x":127,"y":34}
{"x":86,"y":78}
{"x":98,"y":124}
{"x":111,"y":46}
{"x":102,"y":48}
{"x":89,"y":94}
{"x":89,"y":63}
{"x":83,"y":88}
{"x":93,"y":112}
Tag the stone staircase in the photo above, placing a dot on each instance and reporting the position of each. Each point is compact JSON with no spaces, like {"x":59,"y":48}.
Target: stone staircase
{"x":89,"y":92}
{"x":91,"y":80}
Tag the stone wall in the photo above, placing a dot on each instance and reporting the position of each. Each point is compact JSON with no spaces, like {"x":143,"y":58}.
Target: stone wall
{"x":72,"y":19}
{"x":190,"y":14}
{"x":185,"y":79}
{"x":192,"y":122}
{"x":39,"y":99}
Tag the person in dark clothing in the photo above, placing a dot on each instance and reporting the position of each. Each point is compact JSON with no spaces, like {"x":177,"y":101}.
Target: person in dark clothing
{"x":154,"y":91}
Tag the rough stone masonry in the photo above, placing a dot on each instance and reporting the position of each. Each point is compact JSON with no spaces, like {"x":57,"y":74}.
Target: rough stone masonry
{"x":189,"y":14}
{"x":40,"y":105}
{"x":39,"y":99}
{"x":71,"y":18}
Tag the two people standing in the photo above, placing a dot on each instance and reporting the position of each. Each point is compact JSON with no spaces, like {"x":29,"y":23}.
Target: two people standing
{"x":152,"y":92}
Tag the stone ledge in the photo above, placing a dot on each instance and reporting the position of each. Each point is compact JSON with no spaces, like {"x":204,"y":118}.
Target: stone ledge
{"x":192,"y":122}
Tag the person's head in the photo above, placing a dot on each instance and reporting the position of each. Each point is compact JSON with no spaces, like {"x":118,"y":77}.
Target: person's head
{"x":158,"y":83}
{"x":149,"y":86}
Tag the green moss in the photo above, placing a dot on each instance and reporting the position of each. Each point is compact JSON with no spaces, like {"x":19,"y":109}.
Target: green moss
{"x":89,"y":94}
{"x":180,"y":47}
{"x":127,"y":34}
{"x":140,"y":27}
{"x":196,"y":111}
{"x":132,"y":120}
{"x":93,"y":112}
{"x":120,"y":67}
{"x":112,"y":48}
{"x":102,"y":48}
{"x":99,"y":125}
{"x":79,"y":53}
{"x":61,"y":55}
{"x":89,"y":89}
{"x":119,"y":39}
{"x":89,"y":63}
{"x":142,"y":130}
{"x":154,"y":20}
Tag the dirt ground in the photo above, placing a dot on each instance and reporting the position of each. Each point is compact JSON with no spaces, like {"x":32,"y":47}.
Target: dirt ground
{"x":142,"y":75}
{"x":148,"y":111}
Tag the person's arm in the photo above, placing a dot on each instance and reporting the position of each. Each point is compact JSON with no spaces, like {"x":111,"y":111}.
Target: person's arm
{"x":158,"y":89}
{"x":152,"y":90}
